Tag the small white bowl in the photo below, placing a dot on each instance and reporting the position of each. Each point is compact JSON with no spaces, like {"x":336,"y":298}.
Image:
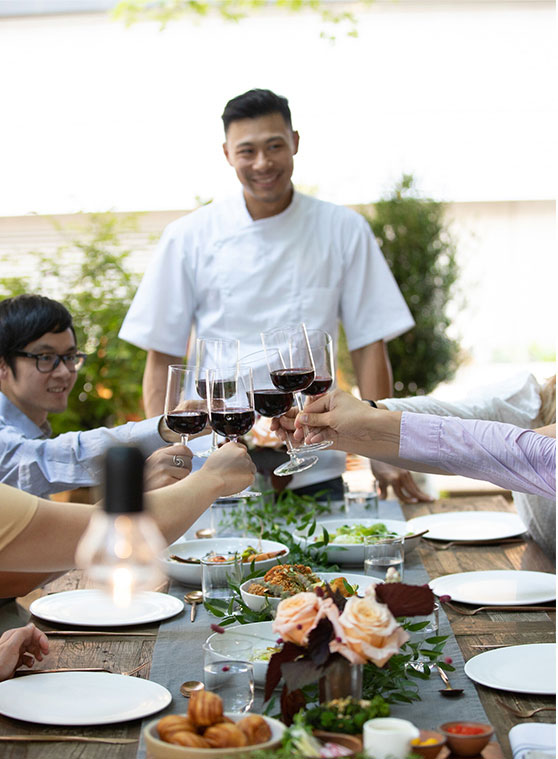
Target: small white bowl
{"x":257,"y":603}
{"x":353,"y":553}
{"x":158,"y":749}
{"x":190,"y":574}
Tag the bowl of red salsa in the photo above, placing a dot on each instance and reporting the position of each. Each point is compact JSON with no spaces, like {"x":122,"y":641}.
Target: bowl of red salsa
{"x":466,"y":738}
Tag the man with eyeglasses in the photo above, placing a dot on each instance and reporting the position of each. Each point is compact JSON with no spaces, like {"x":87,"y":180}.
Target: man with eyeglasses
{"x":39,"y":361}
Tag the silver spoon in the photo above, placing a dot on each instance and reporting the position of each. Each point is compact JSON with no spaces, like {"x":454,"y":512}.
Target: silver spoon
{"x":193,"y":597}
{"x":191,"y":686}
{"x":448,"y":690}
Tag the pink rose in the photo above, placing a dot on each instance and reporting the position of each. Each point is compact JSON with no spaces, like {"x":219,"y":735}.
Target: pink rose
{"x":370,"y":632}
{"x":298,"y":615}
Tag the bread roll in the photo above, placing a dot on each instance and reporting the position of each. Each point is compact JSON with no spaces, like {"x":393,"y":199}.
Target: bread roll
{"x":255,"y":728}
{"x":184,"y":738}
{"x":225,"y":735}
{"x":172,"y":723}
{"x":205,"y":708}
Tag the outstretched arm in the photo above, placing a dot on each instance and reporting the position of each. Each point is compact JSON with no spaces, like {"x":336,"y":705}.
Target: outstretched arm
{"x":48,"y":542}
{"x":509,"y":456}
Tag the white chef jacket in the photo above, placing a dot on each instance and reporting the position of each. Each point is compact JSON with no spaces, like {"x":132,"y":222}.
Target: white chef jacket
{"x":225,"y":274}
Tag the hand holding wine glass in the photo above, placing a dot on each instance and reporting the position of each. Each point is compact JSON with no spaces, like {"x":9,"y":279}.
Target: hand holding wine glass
{"x":231,"y":405}
{"x":291,"y":370}
{"x":321,"y":347}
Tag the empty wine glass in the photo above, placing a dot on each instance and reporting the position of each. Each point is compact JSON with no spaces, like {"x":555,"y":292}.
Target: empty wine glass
{"x":231,"y":406}
{"x":186,"y":411}
{"x":291,"y":369}
{"x":213,"y":353}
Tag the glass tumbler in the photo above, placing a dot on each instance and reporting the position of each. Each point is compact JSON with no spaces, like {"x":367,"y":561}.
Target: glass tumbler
{"x":216,"y":576}
{"x":383,"y":558}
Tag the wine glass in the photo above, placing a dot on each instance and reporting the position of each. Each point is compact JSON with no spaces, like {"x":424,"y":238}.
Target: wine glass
{"x":213,"y":353}
{"x":186,"y":411}
{"x":230,"y":400}
{"x":321,"y":347}
{"x":291,"y":370}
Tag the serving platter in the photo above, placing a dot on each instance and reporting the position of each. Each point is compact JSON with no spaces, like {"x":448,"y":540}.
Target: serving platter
{"x":93,"y":608}
{"x":81,"y":698}
{"x":498,"y":587}
{"x":158,"y":749}
{"x":190,"y":574}
{"x":470,"y":526}
{"x":353,"y":553}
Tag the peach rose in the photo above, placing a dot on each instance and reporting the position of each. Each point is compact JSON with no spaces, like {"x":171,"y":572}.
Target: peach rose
{"x":298,"y":615}
{"x":370,"y":632}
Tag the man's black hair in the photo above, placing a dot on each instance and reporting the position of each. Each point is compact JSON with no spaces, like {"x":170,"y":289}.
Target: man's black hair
{"x":256,"y":103}
{"x":25,"y":318}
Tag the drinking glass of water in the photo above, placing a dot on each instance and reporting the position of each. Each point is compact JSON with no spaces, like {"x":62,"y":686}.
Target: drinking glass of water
{"x":232,"y":679}
{"x":384,"y":557}
{"x":216,"y":575}
{"x":428,"y":628}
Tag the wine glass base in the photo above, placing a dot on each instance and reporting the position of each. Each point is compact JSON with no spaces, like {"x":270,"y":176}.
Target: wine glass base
{"x":205,"y":454}
{"x":244,"y":494}
{"x":296,"y":466}
{"x":315,"y":446}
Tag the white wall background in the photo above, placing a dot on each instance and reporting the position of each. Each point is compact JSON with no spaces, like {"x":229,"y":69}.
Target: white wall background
{"x":98,"y":117}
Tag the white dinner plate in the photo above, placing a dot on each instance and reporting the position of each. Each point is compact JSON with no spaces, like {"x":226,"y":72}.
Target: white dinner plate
{"x":530,"y":668}
{"x":256,"y":603}
{"x":258,"y":635}
{"x":93,"y":608}
{"x":469,"y":525}
{"x":190,"y":574}
{"x":81,"y":698}
{"x":353,"y":553}
{"x":498,"y":587}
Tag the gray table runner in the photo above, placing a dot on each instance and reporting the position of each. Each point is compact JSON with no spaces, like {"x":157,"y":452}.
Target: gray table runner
{"x":178,"y":657}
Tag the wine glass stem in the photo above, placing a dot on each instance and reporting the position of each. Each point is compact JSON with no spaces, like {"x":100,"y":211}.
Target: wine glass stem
{"x":213,"y":447}
{"x":300,"y":405}
{"x":184,"y":439}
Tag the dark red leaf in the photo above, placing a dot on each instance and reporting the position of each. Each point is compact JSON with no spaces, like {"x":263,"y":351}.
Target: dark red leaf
{"x":288,"y":653}
{"x":291,"y":703}
{"x":300,"y":673}
{"x":405,"y":600}
{"x":318,"y":642}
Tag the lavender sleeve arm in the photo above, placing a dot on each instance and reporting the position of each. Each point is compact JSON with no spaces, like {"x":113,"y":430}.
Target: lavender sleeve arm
{"x":508,"y":456}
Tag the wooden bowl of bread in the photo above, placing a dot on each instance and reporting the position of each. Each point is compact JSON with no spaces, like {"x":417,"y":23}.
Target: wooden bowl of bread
{"x":206,"y":732}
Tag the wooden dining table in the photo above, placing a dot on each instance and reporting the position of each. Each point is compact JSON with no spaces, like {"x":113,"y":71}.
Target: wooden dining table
{"x":123,"y":651}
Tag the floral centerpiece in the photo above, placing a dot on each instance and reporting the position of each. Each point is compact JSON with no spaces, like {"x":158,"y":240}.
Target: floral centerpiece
{"x":326,"y":637}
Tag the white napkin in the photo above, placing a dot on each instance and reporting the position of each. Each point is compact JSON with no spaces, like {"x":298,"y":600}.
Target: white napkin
{"x":533,"y":740}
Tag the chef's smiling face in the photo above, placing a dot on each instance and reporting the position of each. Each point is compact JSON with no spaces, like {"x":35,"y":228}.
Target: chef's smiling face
{"x":36,"y":393}
{"x":261,"y":151}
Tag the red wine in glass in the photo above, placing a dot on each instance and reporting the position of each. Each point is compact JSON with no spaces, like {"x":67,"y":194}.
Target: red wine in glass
{"x":272,"y":402}
{"x":222,"y":388}
{"x":318,"y":386}
{"x":232,"y":422}
{"x":187,"y":422}
{"x":292,"y":380}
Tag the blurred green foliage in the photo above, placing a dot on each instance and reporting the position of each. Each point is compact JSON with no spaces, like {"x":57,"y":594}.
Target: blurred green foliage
{"x":89,"y":276}
{"x":415,"y":240}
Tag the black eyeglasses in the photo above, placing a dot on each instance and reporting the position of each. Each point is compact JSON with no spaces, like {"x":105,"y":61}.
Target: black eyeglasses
{"x":47,"y":362}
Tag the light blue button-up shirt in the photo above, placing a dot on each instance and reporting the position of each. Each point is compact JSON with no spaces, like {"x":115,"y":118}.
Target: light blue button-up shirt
{"x":32,"y":462}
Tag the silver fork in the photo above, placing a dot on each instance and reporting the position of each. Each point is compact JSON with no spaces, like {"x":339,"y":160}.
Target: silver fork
{"x":23,"y":672}
{"x":525,"y":714}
